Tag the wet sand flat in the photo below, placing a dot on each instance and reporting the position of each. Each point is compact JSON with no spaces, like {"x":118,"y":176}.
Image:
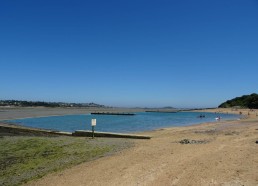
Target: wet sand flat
{"x":28,"y":112}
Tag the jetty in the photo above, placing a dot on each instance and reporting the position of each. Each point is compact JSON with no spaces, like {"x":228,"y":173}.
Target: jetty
{"x":88,"y":133}
{"x":18,"y":130}
{"x":7,"y":129}
{"x":112,"y":113}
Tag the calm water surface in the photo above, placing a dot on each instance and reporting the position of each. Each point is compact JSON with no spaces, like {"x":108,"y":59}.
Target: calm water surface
{"x":111,"y":123}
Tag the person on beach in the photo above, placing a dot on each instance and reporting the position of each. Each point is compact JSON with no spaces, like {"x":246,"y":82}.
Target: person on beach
{"x":218,"y":118}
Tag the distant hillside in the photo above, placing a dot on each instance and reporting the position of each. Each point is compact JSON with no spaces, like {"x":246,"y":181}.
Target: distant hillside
{"x":246,"y":101}
{"x":45,"y":104}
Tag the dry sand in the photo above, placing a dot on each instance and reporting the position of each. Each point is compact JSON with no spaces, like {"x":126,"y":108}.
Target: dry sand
{"x":225,"y":153}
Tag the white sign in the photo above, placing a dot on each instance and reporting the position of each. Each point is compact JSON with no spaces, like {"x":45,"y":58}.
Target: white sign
{"x":93,"y":122}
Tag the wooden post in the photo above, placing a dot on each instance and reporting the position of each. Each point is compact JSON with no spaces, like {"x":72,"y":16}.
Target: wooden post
{"x":92,"y":132}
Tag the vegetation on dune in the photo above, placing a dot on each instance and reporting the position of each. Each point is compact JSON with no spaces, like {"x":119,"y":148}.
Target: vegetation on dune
{"x":245,"y":101}
{"x":26,"y":158}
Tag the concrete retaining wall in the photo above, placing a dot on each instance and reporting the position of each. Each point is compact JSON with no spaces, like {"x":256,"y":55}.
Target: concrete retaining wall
{"x":88,"y":133}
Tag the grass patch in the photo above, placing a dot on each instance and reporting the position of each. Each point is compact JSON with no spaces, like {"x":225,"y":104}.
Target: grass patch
{"x":26,"y":158}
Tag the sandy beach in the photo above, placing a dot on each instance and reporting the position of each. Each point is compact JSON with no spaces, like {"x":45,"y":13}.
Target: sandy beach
{"x":219,"y":153}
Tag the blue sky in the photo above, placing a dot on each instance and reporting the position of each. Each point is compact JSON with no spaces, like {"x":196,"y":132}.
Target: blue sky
{"x":129,"y":53}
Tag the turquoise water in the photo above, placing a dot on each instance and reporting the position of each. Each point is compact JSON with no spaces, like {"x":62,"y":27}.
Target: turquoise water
{"x":111,"y":123}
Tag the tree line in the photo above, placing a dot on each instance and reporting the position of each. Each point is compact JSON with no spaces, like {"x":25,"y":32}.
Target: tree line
{"x":245,"y":101}
{"x":45,"y":104}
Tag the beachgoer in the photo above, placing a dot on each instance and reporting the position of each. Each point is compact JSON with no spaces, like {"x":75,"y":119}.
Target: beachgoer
{"x":218,"y":118}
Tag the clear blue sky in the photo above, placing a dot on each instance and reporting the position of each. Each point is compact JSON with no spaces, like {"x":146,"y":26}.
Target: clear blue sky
{"x":179,"y":53}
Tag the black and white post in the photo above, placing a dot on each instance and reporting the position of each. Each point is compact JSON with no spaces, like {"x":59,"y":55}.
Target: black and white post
{"x":93,"y":124}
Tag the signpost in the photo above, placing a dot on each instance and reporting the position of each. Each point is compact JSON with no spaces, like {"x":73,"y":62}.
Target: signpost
{"x":93,"y":124}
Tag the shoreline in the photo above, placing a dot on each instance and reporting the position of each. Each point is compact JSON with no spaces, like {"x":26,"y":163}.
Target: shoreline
{"x":28,"y":113}
{"x":218,"y":153}
{"x":6,"y":120}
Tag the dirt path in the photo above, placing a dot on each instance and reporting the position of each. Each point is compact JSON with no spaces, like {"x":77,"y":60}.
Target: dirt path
{"x":223,"y":153}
